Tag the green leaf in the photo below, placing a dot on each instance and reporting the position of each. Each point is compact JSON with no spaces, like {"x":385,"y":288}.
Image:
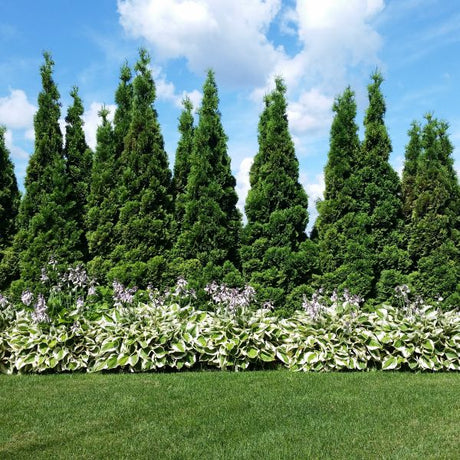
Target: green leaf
{"x":252,"y":353}
{"x":109,"y":346}
{"x":178,"y":346}
{"x":389,"y":363}
{"x":201,"y":341}
{"x":429,"y":345}
{"x":122,"y":360}
{"x":283,"y":357}
{"x":267,"y":357}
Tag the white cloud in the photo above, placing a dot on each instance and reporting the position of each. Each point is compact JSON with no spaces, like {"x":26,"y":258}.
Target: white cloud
{"x":229,"y":36}
{"x":166,"y":90}
{"x":338,"y":45}
{"x":310,"y":113}
{"x":16,"y":112}
{"x":315,"y":190}
{"x":398,"y":165}
{"x":195,"y":96}
{"x":242,"y":181}
{"x":17,"y":153}
{"x":30,"y":134}
{"x":92,"y":120}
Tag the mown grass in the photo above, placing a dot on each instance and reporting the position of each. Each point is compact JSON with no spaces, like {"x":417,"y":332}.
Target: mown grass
{"x":269,"y":415}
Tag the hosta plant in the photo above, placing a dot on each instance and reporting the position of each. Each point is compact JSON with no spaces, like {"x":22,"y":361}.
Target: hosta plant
{"x":167,"y":332}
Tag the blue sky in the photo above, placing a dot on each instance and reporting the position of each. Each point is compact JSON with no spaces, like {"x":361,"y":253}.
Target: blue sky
{"x":319,"y":47}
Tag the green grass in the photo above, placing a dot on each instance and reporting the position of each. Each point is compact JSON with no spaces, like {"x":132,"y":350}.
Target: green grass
{"x":260,"y":415}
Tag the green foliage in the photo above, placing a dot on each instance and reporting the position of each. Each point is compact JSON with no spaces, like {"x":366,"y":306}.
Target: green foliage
{"x":277,"y":257}
{"x":46,"y":224}
{"x":167,"y":334}
{"x":102,"y":210}
{"x":409,"y":175}
{"x":144,"y":224}
{"x":123,"y":114}
{"x":379,"y":189}
{"x":106,"y":179}
{"x":78,"y":158}
{"x":211,"y":224}
{"x":9,"y":204}
{"x":433,"y":217}
{"x":183,"y":162}
{"x":337,"y":213}
{"x":360,"y":225}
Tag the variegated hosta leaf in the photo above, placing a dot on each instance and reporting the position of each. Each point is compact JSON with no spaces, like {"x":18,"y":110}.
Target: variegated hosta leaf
{"x":151,"y":337}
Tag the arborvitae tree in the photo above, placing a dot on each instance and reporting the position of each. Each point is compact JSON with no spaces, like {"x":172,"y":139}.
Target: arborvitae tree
{"x":46,"y":227}
{"x":277,"y":257}
{"x":211,"y":224}
{"x":182,"y":162}
{"x":106,"y":179}
{"x":9,"y":204}
{"x":144,"y":225}
{"x":434,"y":221}
{"x":412,"y":156}
{"x":337,"y":211}
{"x":102,"y":212}
{"x":9,"y":195}
{"x":379,"y":259}
{"x":122,"y":117}
{"x":78,"y":158}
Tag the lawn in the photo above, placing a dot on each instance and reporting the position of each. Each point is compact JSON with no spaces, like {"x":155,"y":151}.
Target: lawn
{"x":273,"y":414}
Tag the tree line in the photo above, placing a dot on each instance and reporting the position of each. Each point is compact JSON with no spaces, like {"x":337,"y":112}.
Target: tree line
{"x":122,"y":212}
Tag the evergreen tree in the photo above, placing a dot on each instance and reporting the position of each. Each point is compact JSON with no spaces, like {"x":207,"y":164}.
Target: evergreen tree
{"x":337,"y":211}
{"x":9,"y":204}
{"x":182,"y":162}
{"x":434,"y":221}
{"x":106,"y":179}
{"x":46,"y":227}
{"x":146,"y":212}
{"x":277,"y":257}
{"x":382,"y":261}
{"x":211,"y":225}
{"x":102,"y":211}
{"x":412,"y":156}
{"x":78,"y":166}
{"x":122,"y":117}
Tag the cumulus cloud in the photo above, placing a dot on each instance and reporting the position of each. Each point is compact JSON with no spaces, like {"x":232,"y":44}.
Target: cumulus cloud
{"x":242,"y":181}
{"x":17,"y":153}
{"x":338,"y":46}
{"x":229,"y":36}
{"x":315,"y":189}
{"x":92,"y":120}
{"x":16,"y":112}
{"x":311,"y":112}
{"x":166,"y":90}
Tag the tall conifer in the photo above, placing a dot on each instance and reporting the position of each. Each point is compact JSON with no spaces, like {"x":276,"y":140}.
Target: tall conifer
{"x":78,"y":158}
{"x":144,"y":225}
{"x":123,"y":114}
{"x":211,"y":226}
{"x":106,"y":179}
{"x":102,"y":211}
{"x":46,"y":226}
{"x":409,"y":175}
{"x":9,"y":196}
{"x":9,"y":204}
{"x":434,"y":221}
{"x":337,"y":211}
{"x":182,"y":162}
{"x":379,"y":260}
{"x":276,"y":255}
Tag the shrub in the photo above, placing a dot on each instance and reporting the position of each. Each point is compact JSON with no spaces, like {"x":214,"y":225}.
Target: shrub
{"x":136,"y":332}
